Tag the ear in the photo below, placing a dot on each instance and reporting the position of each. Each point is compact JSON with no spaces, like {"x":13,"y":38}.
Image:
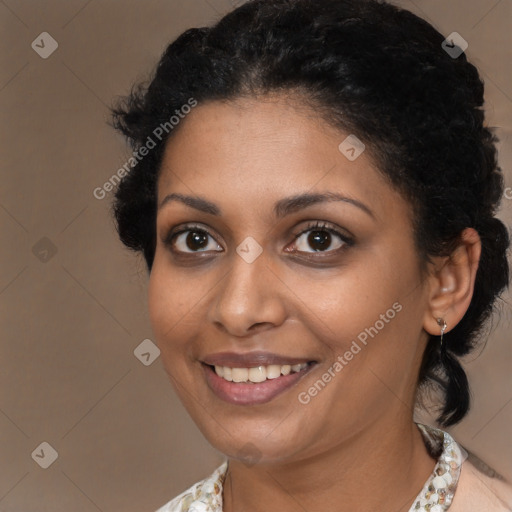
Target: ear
{"x":452,"y":282}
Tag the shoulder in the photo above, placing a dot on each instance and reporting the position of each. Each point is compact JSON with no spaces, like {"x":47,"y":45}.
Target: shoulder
{"x":481,"y":489}
{"x":205,"y":495}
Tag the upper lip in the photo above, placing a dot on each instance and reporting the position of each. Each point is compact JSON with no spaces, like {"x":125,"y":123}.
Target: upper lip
{"x":250,"y":359}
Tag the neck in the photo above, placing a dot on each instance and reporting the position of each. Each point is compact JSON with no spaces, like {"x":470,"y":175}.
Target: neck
{"x":382,"y":468}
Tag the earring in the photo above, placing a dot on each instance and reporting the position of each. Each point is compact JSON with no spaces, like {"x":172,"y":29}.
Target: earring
{"x":441,"y":322}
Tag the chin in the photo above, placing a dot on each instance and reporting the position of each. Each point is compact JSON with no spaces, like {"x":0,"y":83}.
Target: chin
{"x":256,"y":445}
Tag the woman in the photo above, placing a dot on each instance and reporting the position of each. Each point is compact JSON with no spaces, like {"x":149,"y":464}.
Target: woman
{"x":314,"y":194}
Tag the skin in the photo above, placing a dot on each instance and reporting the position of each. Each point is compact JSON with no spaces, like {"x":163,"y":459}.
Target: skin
{"x":351,"y":445}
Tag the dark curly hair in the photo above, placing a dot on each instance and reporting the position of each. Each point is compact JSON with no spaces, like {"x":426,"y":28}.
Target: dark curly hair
{"x":371,"y":69}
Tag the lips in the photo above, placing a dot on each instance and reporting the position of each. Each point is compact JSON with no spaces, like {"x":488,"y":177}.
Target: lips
{"x":251,"y":359}
{"x":252,"y":378}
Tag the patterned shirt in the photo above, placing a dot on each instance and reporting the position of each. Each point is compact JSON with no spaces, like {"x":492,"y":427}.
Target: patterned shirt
{"x":435,"y":496}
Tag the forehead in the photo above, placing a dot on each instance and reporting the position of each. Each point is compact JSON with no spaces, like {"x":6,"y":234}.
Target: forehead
{"x":253,"y":150}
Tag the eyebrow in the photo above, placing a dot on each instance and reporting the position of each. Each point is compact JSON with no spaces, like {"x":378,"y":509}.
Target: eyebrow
{"x":282,"y":207}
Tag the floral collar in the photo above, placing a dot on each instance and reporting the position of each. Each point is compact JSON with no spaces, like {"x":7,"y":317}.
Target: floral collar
{"x":436,"y":495}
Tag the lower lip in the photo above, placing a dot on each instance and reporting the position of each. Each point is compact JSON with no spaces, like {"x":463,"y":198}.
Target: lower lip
{"x":247,"y":393}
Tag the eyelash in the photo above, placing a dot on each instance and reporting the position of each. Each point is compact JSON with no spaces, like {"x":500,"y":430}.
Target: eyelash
{"x":325,"y":226}
{"x":312,"y":226}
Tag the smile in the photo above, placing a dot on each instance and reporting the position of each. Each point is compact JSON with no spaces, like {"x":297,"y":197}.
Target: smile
{"x":258,"y":373}
{"x":255,"y":385}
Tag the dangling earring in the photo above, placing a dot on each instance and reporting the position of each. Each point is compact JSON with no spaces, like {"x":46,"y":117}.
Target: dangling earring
{"x":441,"y":322}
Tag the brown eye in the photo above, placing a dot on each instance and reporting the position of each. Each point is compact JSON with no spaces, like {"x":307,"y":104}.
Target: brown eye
{"x":196,"y":240}
{"x":191,"y":239}
{"x":320,"y":238}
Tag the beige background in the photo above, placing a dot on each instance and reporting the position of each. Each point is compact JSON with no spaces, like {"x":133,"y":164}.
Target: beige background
{"x":72,"y":320}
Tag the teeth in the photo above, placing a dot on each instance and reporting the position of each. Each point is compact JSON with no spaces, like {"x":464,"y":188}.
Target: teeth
{"x":258,"y":373}
{"x":273,"y":371}
{"x":240,"y":374}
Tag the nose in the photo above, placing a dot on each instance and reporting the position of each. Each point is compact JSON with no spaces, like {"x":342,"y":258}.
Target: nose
{"x":249,"y":299}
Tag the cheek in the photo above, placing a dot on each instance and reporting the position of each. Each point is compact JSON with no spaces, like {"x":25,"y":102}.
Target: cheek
{"x":170,"y":305}
{"x":374,"y":319}
{"x":160,"y":298}
{"x":369,"y":313}
{"x":344,"y":302}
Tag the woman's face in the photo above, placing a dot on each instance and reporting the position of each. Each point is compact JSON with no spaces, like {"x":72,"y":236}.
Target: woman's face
{"x":330,"y":320}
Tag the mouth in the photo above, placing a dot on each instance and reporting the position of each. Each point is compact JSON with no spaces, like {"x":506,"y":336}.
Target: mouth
{"x":252,"y":385}
{"x":258,"y":373}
